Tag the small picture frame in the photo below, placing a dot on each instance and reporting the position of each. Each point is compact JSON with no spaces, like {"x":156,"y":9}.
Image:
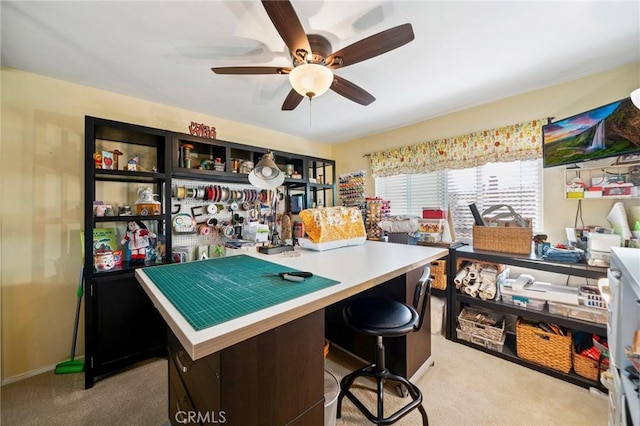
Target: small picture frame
{"x":108,"y":161}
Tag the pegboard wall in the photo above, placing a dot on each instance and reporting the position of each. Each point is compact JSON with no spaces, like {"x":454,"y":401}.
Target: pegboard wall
{"x":197,"y":223}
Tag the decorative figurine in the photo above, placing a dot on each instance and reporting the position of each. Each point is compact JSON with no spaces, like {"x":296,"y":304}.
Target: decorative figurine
{"x":137,"y":240}
{"x":146,"y":205}
{"x":132,"y":165}
{"x":97,"y":160}
{"x":104,"y":260}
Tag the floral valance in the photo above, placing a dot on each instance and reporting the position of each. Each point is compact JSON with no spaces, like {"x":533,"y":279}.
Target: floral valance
{"x":521,"y":141}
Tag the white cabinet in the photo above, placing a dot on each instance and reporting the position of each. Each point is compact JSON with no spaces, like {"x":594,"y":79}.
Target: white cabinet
{"x":624,"y":283}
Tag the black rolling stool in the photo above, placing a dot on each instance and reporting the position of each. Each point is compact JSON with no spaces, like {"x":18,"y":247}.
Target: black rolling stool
{"x":386,"y":318}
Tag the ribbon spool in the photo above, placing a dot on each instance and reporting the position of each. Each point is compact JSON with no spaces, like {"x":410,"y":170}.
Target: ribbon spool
{"x":181,"y":192}
{"x":204,"y":229}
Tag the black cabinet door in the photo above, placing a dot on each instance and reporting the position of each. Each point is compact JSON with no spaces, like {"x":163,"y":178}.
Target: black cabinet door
{"x":127,"y":327}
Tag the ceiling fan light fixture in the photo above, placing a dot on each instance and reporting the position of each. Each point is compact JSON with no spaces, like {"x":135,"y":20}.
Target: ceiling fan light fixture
{"x":635,"y":97}
{"x":311,"y":80}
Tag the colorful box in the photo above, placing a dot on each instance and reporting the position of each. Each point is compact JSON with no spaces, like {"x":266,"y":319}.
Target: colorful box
{"x":593,"y":192}
{"x":575,"y":194}
{"x":618,"y":190}
{"x":433,"y":213}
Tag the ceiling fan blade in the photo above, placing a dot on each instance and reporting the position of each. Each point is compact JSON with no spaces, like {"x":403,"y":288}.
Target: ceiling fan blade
{"x":293,"y":100}
{"x":371,"y":46}
{"x":286,"y":21}
{"x":351,"y":91}
{"x":251,"y":70}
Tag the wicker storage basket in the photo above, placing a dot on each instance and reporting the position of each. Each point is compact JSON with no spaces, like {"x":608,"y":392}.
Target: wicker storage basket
{"x":540,"y":347}
{"x":439,"y":282}
{"x":509,"y":239}
{"x":587,"y":367}
{"x":438,"y":267}
{"x":487,"y":325}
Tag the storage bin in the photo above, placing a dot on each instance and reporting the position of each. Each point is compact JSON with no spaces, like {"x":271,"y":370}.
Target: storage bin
{"x":488,"y":325}
{"x":479,"y":340}
{"x":548,"y":349}
{"x":579,"y":312}
{"x":505,"y":239}
{"x":590,"y":296}
{"x":438,"y":267}
{"x":587,"y":367}
{"x":439,"y":282}
{"x":331,"y":393}
{"x":525,"y":302}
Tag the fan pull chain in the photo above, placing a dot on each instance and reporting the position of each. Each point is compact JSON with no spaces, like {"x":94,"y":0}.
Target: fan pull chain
{"x":310,"y":123}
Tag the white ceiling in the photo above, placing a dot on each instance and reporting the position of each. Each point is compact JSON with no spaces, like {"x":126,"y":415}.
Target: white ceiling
{"x":464,"y":54}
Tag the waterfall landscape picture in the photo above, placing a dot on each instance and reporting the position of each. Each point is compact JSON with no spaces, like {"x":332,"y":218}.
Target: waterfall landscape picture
{"x":607,"y":131}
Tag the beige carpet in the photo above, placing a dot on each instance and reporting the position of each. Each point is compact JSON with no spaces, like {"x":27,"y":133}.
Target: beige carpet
{"x":465,"y":387}
{"x":469,"y":387}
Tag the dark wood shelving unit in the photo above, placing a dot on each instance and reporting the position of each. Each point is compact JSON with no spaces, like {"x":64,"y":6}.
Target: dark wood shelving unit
{"x":122,"y":326}
{"x":456,"y":301}
{"x":509,"y":353}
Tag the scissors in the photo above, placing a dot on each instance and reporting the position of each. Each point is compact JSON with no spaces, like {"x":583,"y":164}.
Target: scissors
{"x":290,"y":276}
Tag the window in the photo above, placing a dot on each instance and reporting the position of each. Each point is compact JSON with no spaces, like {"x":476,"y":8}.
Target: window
{"x":408,"y":194}
{"x":516,"y":183}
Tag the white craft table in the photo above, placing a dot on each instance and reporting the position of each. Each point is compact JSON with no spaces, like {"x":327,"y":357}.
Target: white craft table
{"x":268,"y":364}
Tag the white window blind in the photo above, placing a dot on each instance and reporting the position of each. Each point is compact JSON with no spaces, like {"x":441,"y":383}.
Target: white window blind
{"x":516,"y":183}
{"x":408,"y":194}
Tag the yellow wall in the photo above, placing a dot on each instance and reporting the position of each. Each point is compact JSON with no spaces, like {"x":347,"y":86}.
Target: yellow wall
{"x":41,"y":154}
{"x":558,"y":101}
{"x":41,"y":205}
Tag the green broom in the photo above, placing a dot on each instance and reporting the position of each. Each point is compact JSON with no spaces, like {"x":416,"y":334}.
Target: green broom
{"x":74,"y":365}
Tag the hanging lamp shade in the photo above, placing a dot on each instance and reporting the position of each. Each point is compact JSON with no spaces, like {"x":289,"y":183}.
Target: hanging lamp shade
{"x":635,"y":97}
{"x":266,"y":174}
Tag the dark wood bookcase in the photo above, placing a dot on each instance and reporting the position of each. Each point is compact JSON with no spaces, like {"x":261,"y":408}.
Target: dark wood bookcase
{"x":122,"y":326}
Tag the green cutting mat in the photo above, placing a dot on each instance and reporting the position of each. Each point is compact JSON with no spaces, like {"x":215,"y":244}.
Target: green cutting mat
{"x":210,"y":292}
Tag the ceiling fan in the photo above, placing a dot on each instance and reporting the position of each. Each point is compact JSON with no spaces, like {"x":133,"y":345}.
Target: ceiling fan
{"x":313,"y":61}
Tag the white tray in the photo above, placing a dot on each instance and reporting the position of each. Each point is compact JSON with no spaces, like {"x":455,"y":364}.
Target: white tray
{"x":330,"y":245}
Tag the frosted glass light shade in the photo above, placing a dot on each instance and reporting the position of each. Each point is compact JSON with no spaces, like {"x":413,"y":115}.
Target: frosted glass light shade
{"x":266,"y":174}
{"x":311,"y":80}
{"x":635,"y":98}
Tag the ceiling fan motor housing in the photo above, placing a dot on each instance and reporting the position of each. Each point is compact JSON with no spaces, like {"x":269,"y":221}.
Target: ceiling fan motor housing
{"x":320,"y":49}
